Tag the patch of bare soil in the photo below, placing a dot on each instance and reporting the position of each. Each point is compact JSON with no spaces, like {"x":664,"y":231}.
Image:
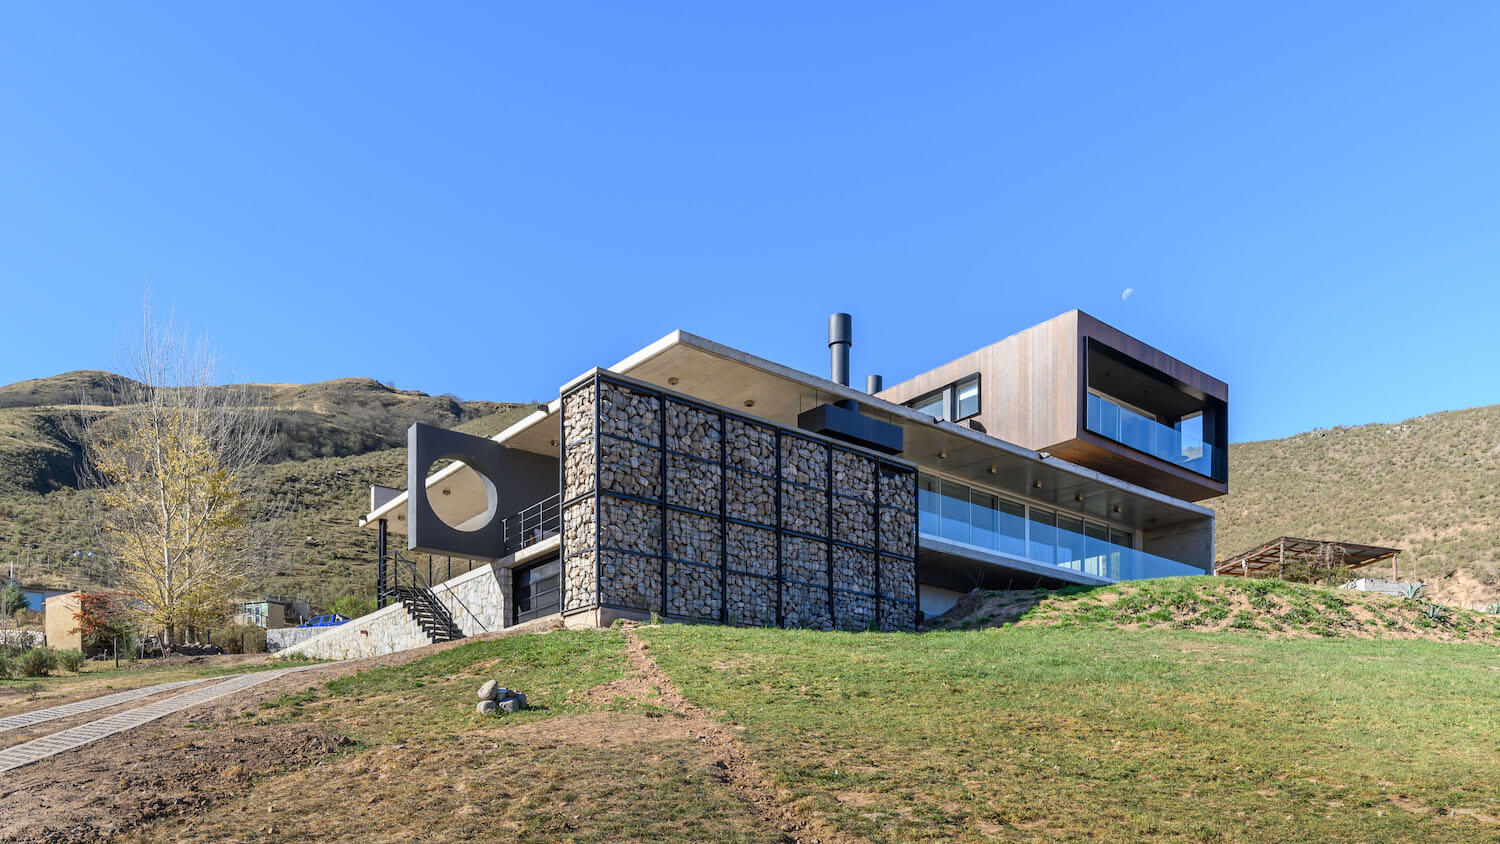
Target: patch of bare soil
{"x":1460,"y":588}
{"x":741,"y":770}
{"x":207,"y":660}
{"x":99,"y":791}
{"x":987,"y":609}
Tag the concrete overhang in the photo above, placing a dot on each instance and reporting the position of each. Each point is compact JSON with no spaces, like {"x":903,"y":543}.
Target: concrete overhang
{"x":460,"y":492}
{"x":717,"y":374}
{"x":731,"y":378}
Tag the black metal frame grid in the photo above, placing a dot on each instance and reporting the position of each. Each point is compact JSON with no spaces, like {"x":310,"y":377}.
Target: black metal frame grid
{"x":663,"y":399}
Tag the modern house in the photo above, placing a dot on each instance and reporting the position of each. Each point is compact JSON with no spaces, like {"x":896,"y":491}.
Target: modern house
{"x":699,"y":482}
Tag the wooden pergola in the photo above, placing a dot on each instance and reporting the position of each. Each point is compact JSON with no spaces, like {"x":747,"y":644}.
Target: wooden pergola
{"x":1274,"y":558}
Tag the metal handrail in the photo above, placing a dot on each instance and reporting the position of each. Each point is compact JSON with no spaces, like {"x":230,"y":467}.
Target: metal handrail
{"x":418,"y":582}
{"x":533,"y":524}
{"x":526,"y":527}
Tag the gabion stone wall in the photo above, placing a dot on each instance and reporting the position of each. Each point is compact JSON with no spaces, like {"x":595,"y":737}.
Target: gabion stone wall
{"x":579,"y":513}
{"x":705,"y":515}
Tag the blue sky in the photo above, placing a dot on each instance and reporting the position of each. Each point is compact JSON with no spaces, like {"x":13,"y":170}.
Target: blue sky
{"x":487,"y":199}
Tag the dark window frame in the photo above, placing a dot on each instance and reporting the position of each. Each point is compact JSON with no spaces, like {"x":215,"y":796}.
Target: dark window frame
{"x":537,"y":610}
{"x":949,"y":396}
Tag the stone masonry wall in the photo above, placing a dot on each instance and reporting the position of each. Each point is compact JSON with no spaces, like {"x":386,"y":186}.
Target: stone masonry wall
{"x":479,"y":600}
{"x":384,"y":631}
{"x":688,"y":503}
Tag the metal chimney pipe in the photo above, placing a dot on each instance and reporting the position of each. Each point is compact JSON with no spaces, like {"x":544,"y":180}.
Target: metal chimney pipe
{"x":840,"y":338}
{"x":874,"y":384}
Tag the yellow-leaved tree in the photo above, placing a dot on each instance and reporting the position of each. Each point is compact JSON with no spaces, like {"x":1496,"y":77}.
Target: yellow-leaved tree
{"x":171,"y":460}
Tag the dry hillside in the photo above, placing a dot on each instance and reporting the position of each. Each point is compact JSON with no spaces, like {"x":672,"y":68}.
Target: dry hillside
{"x":334,"y":439}
{"x":1429,"y":485}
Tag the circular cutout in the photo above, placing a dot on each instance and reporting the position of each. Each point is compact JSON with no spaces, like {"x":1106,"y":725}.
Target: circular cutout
{"x":464,"y":501}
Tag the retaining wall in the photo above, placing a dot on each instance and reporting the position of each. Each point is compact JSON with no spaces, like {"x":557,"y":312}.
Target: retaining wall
{"x":384,"y":631}
{"x":280,"y":638}
{"x":478,"y":600}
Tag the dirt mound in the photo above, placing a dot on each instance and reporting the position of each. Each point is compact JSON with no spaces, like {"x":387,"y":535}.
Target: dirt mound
{"x":1216,"y":604}
{"x":987,"y":609}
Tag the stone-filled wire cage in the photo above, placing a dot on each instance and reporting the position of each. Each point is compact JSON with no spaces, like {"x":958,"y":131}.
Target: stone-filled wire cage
{"x":697,"y":513}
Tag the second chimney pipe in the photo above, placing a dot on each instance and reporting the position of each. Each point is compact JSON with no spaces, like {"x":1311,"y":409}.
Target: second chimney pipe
{"x":840,"y":337}
{"x":874,"y":384}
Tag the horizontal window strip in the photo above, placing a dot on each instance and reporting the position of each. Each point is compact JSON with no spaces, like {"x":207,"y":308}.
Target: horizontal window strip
{"x":630,"y":551}
{"x":799,"y":484}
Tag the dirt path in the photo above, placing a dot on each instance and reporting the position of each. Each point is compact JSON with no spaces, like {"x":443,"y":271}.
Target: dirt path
{"x":50,"y":745}
{"x":742,"y":772}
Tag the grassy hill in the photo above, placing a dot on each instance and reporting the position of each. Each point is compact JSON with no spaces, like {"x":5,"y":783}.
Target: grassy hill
{"x":334,"y":439}
{"x":1429,"y":485}
{"x":1226,"y":604}
{"x":1044,"y":732}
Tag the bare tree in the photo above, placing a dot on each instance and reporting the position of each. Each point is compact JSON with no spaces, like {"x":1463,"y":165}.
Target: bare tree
{"x":171,"y":462}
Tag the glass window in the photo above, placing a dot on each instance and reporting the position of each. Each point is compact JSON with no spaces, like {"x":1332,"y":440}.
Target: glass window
{"x":1190,"y":430}
{"x":984,"y":520}
{"x":934,"y":405}
{"x":1043,"y":535}
{"x":955,"y":512}
{"x":929,"y":505}
{"x":1070,"y":542}
{"x":536,"y":591}
{"x":1122,"y":554}
{"x":1012,"y":532}
{"x":966,"y":398}
{"x":1096,"y":549}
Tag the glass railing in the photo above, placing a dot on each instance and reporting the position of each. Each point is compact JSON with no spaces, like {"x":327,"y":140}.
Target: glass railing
{"x":955,"y":512}
{"x":1145,"y":434}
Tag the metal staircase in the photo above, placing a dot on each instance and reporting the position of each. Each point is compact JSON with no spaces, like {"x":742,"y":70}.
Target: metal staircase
{"x":405,"y":584}
{"x":428,"y":612}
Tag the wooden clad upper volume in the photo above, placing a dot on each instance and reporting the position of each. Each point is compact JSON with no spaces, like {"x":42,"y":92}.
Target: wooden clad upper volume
{"x":1034,"y":391}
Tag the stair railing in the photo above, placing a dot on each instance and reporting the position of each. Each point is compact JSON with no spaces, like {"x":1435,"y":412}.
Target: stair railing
{"x":419,"y":583}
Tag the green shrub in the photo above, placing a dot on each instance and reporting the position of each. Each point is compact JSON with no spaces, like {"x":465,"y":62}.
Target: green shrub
{"x":70,"y":660}
{"x":240,"y":639}
{"x":1216,"y":612}
{"x":353,"y":606}
{"x":12,"y":600}
{"x":7,"y":667}
{"x":1244,"y":620}
{"x":37,"y":662}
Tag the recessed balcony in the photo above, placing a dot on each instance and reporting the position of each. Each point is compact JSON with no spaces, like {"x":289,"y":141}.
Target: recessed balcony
{"x":1180,"y":444}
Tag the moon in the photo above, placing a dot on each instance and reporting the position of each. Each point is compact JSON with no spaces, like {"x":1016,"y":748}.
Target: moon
{"x":1125,"y":295}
